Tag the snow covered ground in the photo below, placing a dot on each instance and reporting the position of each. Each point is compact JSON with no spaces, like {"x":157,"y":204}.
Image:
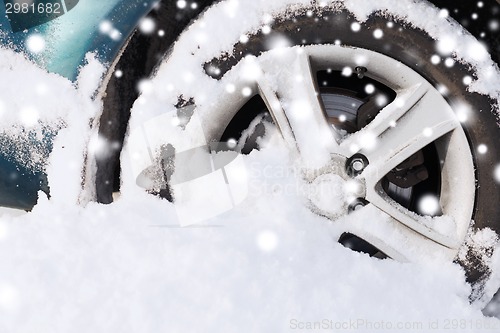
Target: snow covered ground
{"x":130,"y":267}
{"x":269,"y":265}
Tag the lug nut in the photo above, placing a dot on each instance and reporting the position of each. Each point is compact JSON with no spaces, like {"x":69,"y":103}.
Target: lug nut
{"x":357,"y":204}
{"x":360,"y":71}
{"x":356,"y":165}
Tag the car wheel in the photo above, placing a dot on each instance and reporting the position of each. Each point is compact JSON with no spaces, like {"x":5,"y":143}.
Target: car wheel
{"x":369,"y":103}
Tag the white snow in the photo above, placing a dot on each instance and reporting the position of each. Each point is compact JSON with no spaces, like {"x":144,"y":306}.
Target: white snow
{"x":129,"y":267}
{"x":268,"y":265}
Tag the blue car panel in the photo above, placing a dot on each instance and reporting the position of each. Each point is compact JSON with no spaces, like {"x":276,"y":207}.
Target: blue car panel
{"x":71,"y":30}
{"x":79,"y":27}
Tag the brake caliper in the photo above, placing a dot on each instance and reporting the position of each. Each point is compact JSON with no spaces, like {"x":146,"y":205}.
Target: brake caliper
{"x":410,"y":172}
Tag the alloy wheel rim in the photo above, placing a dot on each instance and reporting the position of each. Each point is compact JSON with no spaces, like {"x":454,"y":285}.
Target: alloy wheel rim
{"x":418,"y":116}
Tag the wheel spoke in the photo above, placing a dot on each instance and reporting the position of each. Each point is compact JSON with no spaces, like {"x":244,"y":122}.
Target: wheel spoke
{"x":292,"y":97}
{"x":398,"y":132}
{"x":390,"y":114}
{"x":442,"y":229}
{"x":391,"y":237}
{"x":416,"y":118}
{"x":279,"y":116}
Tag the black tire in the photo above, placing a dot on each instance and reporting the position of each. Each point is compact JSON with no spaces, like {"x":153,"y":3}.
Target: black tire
{"x":412,"y":46}
{"x":138,"y":59}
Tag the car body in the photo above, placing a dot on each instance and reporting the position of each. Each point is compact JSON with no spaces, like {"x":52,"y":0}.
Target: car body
{"x":87,"y":26}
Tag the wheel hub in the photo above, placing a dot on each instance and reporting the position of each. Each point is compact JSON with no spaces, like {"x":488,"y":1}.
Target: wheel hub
{"x":333,"y":189}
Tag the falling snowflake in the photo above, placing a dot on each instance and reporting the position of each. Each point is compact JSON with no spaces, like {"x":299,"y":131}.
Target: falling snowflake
{"x":381,"y":100}
{"x":115,"y":34}
{"x":435,"y":59}
{"x":493,"y":25}
{"x":449,"y":62}
{"x":267,"y":18}
{"x":147,"y":25}
{"x":181,"y":4}
{"x":369,"y":88}
{"x":462,"y":112}
{"x":367,"y":140}
{"x":482,"y":149}
{"x":247,"y":91}
{"x":355,"y":27}
{"x":378,"y":33}
{"x":105,"y":27}
{"x":35,"y":43}
{"x":145,"y":86}
{"x":467,"y":80}
{"x":278,"y":42}
{"x":429,"y":205}
{"x":230,"y":88}
{"x":347,"y":71}
{"x":443,"y":90}
{"x":444,"y":13}
{"x":243,"y":39}
{"x":497,"y":173}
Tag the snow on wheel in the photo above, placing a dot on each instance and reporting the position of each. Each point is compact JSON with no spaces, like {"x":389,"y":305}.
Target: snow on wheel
{"x":392,"y":133}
